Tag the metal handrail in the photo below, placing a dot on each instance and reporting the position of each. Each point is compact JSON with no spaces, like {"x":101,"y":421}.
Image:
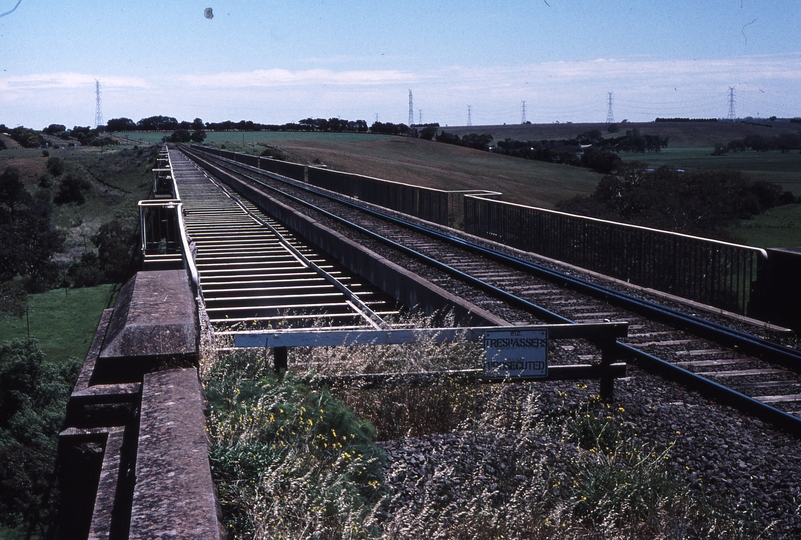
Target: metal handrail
{"x":761,"y":251}
{"x":710,"y":271}
{"x":186,"y":250}
{"x":189,"y":260}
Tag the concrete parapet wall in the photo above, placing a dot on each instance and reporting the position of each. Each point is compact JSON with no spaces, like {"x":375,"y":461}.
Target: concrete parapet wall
{"x":174,"y":490}
{"x":133,"y":455}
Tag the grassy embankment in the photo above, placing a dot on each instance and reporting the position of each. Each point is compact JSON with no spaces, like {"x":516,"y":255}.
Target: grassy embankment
{"x":120,"y":178}
{"x":62,"y":321}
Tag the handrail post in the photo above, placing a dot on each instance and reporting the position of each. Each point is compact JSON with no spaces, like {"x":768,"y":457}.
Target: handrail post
{"x":607,"y":384}
{"x":281,"y":359}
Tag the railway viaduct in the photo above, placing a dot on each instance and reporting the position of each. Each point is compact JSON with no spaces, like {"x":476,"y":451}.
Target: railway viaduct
{"x":133,"y":455}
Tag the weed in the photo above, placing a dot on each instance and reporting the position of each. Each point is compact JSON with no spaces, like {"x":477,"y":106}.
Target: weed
{"x":289,"y":461}
{"x":465,"y":460}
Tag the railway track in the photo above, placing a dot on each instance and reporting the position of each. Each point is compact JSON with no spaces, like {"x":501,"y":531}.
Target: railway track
{"x":755,"y":374}
{"x":254,"y":273}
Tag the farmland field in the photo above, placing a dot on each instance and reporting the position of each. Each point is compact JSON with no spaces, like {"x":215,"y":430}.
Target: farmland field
{"x":778,"y":227}
{"x":419,"y":162}
{"x":535,"y":183}
{"x":773,"y":166}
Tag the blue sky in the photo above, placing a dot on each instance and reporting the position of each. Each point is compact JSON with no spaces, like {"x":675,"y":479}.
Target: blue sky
{"x":280,"y":61}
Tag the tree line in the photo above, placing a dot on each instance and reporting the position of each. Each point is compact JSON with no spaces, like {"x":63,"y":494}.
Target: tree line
{"x":589,"y":149}
{"x":30,"y":138}
{"x":169,"y":123}
{"x":785,"y":142}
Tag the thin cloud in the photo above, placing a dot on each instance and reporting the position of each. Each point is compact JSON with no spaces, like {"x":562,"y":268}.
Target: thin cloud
{"x":68,"y":80}
{"x":283,"y":77}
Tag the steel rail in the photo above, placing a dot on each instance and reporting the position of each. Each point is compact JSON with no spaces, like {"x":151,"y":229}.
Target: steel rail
{"x":745,"y":342}
{"x":710,"y":330}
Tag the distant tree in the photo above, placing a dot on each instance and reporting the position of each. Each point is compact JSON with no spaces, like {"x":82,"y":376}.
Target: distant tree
{"x":359,"y":126}
{"x":157,"y":123}
{"x":55,"y":165}
{"x":13,"y":194}
{"x":54,"y":129}
{"x":246,"y":125}
{"x":13,"y":299}
{"x":121,"y":124}
{"x":104,"y":141}
{"x":428,"y":132}
{"x":448,"y":138}
{"x":72,"y":189}
{"x":592,"y":136}
{"x":197,"y":124}
{"x":788,"y":141}
{"x":476,"y":141}
{"x":27,"y":138}
{"x":28,"y":241}
{"x":388,"y":128}
{"x":600,"y":160}
{"x":85,"y":272}
{"x":198,"y":136}
{"x":181,"y":136}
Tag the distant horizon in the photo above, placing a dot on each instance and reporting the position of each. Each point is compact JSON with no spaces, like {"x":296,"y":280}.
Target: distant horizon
{"x":456,"y":126}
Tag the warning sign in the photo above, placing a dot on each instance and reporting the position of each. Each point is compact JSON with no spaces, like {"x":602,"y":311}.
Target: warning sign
{"x":513,"y":353}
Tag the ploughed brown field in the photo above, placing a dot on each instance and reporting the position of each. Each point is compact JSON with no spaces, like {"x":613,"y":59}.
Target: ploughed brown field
{"x":442,"y":166}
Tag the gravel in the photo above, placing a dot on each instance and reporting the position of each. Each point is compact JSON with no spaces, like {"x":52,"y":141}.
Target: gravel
{"x":728,"y":455}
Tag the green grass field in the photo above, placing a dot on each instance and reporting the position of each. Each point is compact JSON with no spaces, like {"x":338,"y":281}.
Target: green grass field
{"x":63,"y":324}
{"x":778,"y":227}
{"x":773,"y":166}
{"x":246,"y":137}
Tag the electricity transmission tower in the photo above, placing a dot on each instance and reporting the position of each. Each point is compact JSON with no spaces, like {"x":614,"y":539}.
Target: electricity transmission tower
{"x":98,"y":112}
{"x":610,"y":117}
{"x":420,"y":116}
{"x":523,"y":117}
{"x":411,"y":110}
{"x":732,"y":116}
{"x":410,"y":129}
{"x":469,"y":115}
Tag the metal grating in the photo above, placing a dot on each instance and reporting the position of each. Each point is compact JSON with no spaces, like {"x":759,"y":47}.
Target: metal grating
{"x":255,"y":275}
